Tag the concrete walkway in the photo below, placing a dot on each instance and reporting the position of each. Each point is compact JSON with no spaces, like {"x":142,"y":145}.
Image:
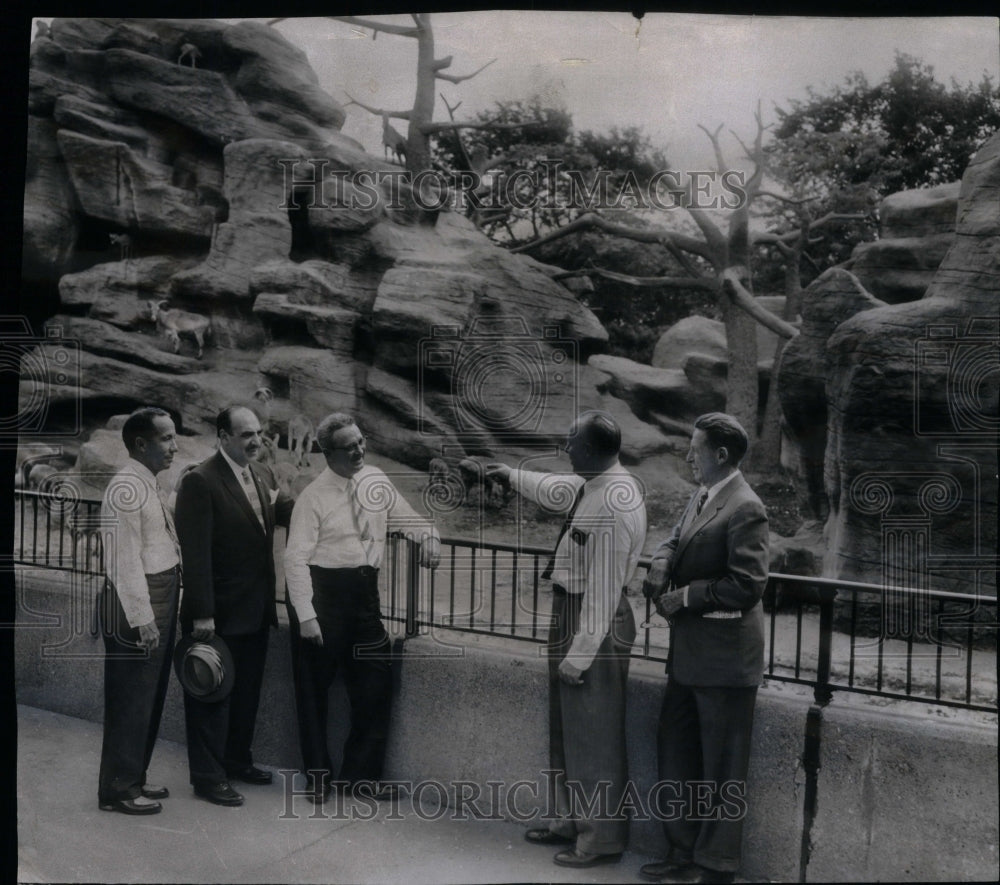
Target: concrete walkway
{"x":64,"y":837}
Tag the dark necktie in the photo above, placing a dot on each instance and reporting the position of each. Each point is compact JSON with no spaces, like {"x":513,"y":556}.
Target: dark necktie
{"x":702,"y":498}
{"x":565,"y":528}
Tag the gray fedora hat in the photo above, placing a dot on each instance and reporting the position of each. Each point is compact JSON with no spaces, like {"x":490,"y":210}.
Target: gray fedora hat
{"x":204,"y":668}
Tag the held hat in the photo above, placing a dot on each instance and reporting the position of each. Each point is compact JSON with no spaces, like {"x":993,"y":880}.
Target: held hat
{"x":204,"y":668}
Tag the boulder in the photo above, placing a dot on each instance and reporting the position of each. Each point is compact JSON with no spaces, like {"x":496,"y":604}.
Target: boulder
{"x":647,"y":389}
{"x":118,"y":291}
{"x":694,"y":334}
{"x":924,"y":212}
{"x":318,"y":381}
{"x":108,"y":340}
{"x":50,"y":228}
{"x":900,"y":270}
{"x":828,"y":301}
{"x":115,"y":184}
{"x":914,"y":394}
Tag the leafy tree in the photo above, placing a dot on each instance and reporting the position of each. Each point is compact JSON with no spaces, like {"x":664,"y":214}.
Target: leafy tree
{"x":847,"y":149}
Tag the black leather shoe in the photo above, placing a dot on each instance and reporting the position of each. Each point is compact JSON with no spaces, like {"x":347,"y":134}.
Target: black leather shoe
{"x":572,"y":857}
{"x":219,"y":794}
{"x":131,"y":806}
{"x":657,"y":872}
{"x":250,"y":774}
{"x":152,"y":791}
{"x":698,"y":874}
{"x":546,"y":837}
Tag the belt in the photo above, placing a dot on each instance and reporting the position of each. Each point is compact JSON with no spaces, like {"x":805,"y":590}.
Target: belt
{"x":558,"y":589}
{"x":363,"y":571}
{"x":166,"y":571}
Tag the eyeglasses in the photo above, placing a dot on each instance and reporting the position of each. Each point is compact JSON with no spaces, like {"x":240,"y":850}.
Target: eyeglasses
{"x":359,"y":444}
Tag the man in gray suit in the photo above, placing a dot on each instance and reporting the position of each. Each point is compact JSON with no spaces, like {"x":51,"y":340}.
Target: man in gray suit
{"x":707,"y":579}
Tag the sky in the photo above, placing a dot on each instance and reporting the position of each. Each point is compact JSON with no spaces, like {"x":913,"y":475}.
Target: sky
{"x":667,"y":74}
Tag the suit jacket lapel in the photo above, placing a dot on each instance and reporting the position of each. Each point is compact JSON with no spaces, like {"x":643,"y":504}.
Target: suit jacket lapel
{"x":708,"y":513}
{"x":232,"y":485}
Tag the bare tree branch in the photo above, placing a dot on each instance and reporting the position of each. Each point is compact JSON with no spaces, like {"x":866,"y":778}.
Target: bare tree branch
{"x":590,"y":220}
{"x":458,"y":78}
{"x":705,"y":283}
{"x":773,"y":238}
{"x":743,"y":299}
{"x":720,"y":160}
{"x":782,"y":198}
{"x":378,"y":112}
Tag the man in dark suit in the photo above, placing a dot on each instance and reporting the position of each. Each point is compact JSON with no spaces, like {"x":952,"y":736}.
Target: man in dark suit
{"x":226,"y":512}
{"x":707,"y":579}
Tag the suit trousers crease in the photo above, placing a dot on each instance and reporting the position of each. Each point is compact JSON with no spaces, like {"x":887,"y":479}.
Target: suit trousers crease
{"x":355,"y":643}
{"x":704,"y":735}
{"x":135,"y":686}
{"x":220,"y":734}
{"x":587,"y":731}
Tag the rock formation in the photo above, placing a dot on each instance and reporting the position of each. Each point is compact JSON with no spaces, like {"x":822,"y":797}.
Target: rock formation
{"x":240,"y":200}
{"x":916,"y":229}
{"x":914,"y":409}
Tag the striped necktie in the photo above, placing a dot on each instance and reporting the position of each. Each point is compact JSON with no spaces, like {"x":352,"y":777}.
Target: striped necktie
{"x":565,"y":528}
{"x":251,"y":491}
{"x":362,"y":521}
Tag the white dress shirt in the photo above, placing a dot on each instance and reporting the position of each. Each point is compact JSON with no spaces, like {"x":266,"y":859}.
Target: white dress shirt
{"x":138,"y":542}
{"x":238,"y":473}
{"x":323,"y":530}
{"x":599,"y":553}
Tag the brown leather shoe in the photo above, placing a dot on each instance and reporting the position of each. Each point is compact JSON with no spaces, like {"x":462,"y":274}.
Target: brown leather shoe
{"x":545,"y":836}
{"x":139,"y":805}
{"x":573,"y":857}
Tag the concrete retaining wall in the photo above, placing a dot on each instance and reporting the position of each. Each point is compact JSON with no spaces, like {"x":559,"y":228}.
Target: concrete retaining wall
{"x":901,"y":797}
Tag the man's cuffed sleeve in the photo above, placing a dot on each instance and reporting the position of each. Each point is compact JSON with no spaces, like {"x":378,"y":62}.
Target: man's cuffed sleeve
{"x":554,"y":492}
{"x":303,"y":533}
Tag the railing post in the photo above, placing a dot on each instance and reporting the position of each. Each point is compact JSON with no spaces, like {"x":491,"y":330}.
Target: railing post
{"x":412,"y":587}
{"x":823,"y":693}
{"x":811,"y":751}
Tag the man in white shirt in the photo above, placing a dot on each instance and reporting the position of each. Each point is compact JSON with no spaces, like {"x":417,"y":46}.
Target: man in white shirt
{"x":707,"y":579}
{"x":336,"y":543}
{"x":590,"y":637}
{"x":138,"y":611}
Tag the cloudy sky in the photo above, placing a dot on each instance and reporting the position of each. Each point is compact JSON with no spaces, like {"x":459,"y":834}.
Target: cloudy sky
{"x":667,"y":74}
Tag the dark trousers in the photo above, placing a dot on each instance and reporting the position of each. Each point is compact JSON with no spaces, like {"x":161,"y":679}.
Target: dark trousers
{"x":135,"y":685}
{"x":349,"y":614}
{"x":704,"y":735}
{"x":219,"y":735}
{"x":587,"y":731}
